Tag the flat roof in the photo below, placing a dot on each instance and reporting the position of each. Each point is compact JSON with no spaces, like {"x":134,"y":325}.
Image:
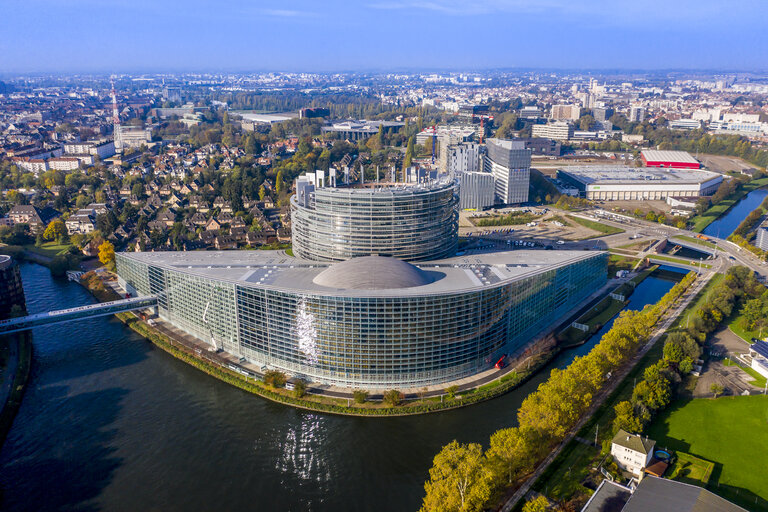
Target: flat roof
{"x":276,"y":270}
{"x":656,"y":155}
{"x":610,"y":174}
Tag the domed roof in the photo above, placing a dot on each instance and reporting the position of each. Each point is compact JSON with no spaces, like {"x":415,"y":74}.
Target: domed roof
{"x":372,"y":273}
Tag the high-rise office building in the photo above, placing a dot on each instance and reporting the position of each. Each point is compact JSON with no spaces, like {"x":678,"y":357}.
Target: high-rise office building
{"x":476,"y":190}
{"x":510,"y":164}
{"x":459,"y":158}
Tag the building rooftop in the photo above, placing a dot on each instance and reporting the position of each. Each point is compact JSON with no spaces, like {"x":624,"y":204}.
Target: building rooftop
{"x":634,"y":442}
{"x":389,"y":276}
{"x":373,"y":273}
{"x":662,"y":495}
{"x":616,"y":175}
{"x":655,"y":155}
{"x":609,"y":497}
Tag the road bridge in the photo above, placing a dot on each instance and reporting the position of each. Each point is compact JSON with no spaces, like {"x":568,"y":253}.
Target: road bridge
{"x":67,"y":315}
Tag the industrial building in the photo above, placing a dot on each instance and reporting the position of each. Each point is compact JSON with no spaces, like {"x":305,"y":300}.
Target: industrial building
{"x":614,"y":183}
{"x":510,"y":164}
{"x":669,"y":159}
{"x":372,"y":322}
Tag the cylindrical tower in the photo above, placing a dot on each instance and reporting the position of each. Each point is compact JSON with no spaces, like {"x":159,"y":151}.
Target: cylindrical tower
{"x":409,"y":222}
{"x":11,"y":289}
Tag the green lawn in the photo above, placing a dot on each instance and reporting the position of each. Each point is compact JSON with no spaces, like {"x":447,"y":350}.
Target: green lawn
{"x":690,"y":470}
{"x":680,"y":260}
{"x":735,"y":325}
{"x":618,"y":262}
{"x":705,"y":219}
{"x":693,"y":240}
{"x":732,"y":432}
{"x":591,"y":224}
{"x":48,"y":249}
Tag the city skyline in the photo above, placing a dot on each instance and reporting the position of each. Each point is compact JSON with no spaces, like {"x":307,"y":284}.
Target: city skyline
{"x":85,"y":36}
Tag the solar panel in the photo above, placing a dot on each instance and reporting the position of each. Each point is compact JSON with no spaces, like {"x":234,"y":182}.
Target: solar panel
{"x":761,"y":347}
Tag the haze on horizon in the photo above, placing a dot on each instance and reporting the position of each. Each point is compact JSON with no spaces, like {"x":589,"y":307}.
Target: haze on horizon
{"x":149,"y":36}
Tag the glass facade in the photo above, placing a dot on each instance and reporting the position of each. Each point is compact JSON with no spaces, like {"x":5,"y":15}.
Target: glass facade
{"x":412,"y":223}
{"x":377,"y":341}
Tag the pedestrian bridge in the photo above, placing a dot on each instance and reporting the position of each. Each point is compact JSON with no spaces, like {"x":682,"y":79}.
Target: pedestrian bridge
{"x":67,"y":315}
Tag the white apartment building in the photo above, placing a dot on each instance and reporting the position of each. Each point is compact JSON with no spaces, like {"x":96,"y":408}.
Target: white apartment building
{"x":559,"y":130}
{"x":460,"y":158}
{"x":510,"y":164}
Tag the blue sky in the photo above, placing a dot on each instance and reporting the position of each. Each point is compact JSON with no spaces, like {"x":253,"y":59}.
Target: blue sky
{"x":330,"y":35}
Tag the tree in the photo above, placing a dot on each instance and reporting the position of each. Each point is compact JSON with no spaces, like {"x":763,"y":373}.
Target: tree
{"x":626,"y":418}
{"x":262,"y":193}
{"x":512,"y":450}
{"x":299,"y":388}
{"x":393,"y":397}
{"x":55,"y":230}
{"x":716,"y":389}
{"x":360,"y":396}
{"x":586,"y":121}
{"x":459,"y":480}
{"x":409,"y":151}
{"x":279,"y":181}
{"x":275,"y":378}
{"x":107,"y":253}
{"x":538,"y":504}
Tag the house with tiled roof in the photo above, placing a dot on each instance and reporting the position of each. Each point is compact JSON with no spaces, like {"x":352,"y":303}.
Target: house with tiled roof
{"x":632,"y":452}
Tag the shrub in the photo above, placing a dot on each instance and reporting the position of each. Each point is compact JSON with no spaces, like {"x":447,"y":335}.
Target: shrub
{"x":451,"y":391}
{"x":360,"y":396}
{"x":393,"y":397}
{"x":274,"y":378}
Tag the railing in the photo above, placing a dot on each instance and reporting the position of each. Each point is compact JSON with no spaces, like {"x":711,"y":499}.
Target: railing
{"x":65,"y":315}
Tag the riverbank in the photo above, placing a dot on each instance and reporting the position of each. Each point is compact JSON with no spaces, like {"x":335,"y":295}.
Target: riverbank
{"x":14,"y":379}
{"x":700,"y":222}
{"x":419,"y":403}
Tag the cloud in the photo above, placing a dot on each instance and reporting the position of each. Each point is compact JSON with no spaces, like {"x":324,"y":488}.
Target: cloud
{"x":288,"y":13}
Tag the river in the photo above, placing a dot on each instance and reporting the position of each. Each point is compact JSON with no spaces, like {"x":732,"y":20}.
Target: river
{"x":109,"y":422}
{"x":729,"y":221}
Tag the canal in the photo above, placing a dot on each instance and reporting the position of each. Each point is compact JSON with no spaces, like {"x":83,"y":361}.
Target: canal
{"x":110,"y":422}
{"x":730,"y":220}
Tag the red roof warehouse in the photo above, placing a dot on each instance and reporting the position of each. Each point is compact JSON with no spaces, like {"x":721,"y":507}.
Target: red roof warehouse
{"x":670,"y":159}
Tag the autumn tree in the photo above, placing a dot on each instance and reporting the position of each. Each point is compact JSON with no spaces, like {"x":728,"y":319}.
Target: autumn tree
{"x":55,"y":230}
{"x":459,"y":480}
{"x":538,"y":504}
{"x":107,"y":253}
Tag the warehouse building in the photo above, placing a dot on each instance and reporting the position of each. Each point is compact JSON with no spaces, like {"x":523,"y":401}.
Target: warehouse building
{"x":669,"y":159}
{"x":612,"y":183}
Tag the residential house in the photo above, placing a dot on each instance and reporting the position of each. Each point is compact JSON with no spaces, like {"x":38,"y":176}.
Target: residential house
{"x":36,"y":218}
{"x":632,"y":452}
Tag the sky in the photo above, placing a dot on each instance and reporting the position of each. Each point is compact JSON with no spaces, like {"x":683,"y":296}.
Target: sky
{"x":71,"y":36}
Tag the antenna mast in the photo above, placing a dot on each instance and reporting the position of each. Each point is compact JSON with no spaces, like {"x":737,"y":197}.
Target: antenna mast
{"x":117,"y":131}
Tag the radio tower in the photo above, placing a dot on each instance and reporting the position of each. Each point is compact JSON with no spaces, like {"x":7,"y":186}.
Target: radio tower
{"x":116,"y":119}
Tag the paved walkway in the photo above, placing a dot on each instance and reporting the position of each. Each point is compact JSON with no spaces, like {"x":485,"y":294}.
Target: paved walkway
{"x":601,"y":396}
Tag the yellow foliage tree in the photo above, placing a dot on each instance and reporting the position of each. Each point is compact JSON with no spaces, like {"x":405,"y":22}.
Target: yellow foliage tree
{"x":107,"y":253}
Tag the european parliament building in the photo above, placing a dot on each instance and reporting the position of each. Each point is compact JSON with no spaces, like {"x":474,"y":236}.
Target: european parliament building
{"x":368,"y":320}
